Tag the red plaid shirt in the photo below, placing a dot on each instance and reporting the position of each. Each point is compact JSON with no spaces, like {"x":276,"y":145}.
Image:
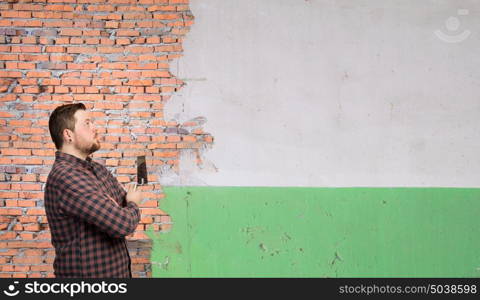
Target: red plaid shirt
{"x":88,"y":229}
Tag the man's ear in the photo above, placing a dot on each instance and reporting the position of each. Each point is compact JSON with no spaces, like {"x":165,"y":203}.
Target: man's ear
{"x":67,"y":135}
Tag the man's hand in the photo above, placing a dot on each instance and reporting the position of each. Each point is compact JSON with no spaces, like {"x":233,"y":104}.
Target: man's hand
{"x":134,"y":195}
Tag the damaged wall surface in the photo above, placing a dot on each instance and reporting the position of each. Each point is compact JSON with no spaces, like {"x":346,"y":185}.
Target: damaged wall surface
{"x":334,"y":93}
{"x":346,"y":141}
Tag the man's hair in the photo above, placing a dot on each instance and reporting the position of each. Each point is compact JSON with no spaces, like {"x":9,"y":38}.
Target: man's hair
{"x":63,"y":118}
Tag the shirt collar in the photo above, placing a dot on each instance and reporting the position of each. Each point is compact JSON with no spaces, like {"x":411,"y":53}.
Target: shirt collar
{"x":62,"y":156}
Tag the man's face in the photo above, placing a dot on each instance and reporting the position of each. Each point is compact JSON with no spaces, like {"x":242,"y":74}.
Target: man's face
{"x":85,"y":136}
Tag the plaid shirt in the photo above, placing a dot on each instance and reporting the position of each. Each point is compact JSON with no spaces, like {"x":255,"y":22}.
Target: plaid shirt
{"x":88,"y":229}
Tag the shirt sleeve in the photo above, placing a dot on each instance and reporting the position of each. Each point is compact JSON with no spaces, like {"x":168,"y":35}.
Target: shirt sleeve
{"x":121,"y":190}
{"x":80,"y":196}
{"x":108,"y":176}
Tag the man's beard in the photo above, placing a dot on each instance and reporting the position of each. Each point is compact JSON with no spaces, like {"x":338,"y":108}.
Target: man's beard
{"x":94,"y":147}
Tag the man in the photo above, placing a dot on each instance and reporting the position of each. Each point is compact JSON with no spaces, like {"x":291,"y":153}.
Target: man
{"x":89,"y":213}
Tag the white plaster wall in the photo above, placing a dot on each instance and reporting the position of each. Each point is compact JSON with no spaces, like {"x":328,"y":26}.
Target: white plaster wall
{"x":333,"y":93}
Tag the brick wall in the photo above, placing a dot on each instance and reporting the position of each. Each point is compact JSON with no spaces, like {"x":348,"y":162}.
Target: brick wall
{"x":113,"y":56}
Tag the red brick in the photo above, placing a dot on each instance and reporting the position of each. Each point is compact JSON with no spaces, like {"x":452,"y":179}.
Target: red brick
{"x":47,"y":14}
{"x":140,"y":260}
{"x":62,"y":58}
{"x":146,"y":220}
{"x":29,"y":40}
{"x":32,"y":227}
{"x":8,"y":57}
{"x":140,"y":82}
{"x":110,"y":49}
{"x":27,"y":23}
{"x":162,"y":8}
{"x":10,"y":211}
{"x":57,"y":23}
{"x":92,"y":41}
{"x":189,"y":139}
{"x":107,"y":41}
{"x":36,"y":212}
{"x":29,"y":177}
{"x":75,"y":81}
{"x":13,"y":74}
{"x":20,"y":152}
{"x":16,"y":14}
{"x":168,"y":48}
{"x":26,"y":66}
{"x":127,"y":25}
{"x":139,"y":49}
{"x":8,"y":235}
{"x":26,"y":236}
{"x":20,"y":123}
{"x":76,"y":40}
{"x":108,"y":105}
{"x":122,"y":41}
{"x":111,"y":24}
{"x":147,"y":97}
{"x":27,"y":7}
{"x":5,"y":23}
{"x":58,"y":7}
{"x":95,"y":32}
{"x":71,"y":32}
{"x":81,"y":66}
{"x":152,"y":211}
{"x":28,"y":260}
{"x":142,"y":66}
{"x":128,"y":33}
{"x":150,"y":203}
{"x":125,"y":74}
{"x":39,"y":74}
{"x":156,"y":74}
{"x":41,"y":268}
{"x":161,"y":16}
{"x":56,"y":49}
{"x":33,"y":57}
{"x":173,"y":138}
{"x":81,"y":50}
{"x":31,"y":186}
{"x":104,"y":8}
{"x":26,"y":203}
{"x":61,"y":90}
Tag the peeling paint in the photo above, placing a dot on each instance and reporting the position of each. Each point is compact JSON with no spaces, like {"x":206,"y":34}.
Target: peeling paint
{"x":187,"y":174}
{"x":286,"y":237}
{"x":164,"y":264}
{"x":263,"y":247}
{"x":337,"y":257}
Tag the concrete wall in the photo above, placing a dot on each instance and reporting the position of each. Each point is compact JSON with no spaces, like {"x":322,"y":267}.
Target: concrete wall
{"x":303,"y":96}
{"x":333,"y":93}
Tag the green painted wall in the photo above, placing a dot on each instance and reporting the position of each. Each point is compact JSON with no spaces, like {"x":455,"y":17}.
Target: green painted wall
{"x":319,"y":232}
